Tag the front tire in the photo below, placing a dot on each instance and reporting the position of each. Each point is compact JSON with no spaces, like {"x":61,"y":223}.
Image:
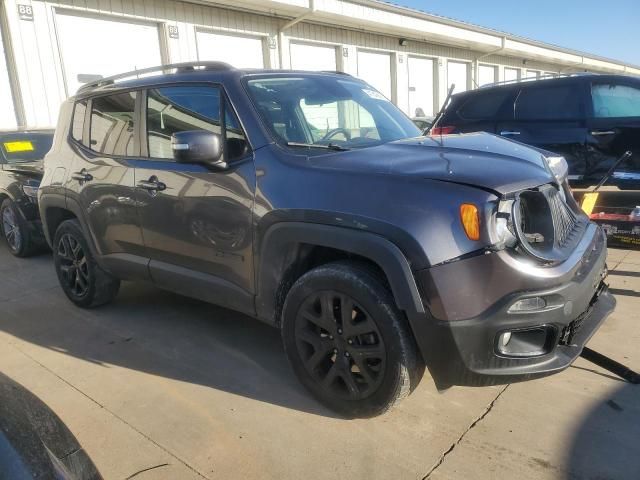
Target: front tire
{"x":15,"y":230}
{"x":347,"y":341}
{"x":83,"y":281}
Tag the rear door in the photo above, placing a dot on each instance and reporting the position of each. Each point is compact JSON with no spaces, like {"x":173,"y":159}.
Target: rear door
{"x":553,"y":117}
{"x":101,"y":178}
{"x":197,"y":223}
{"x":614,"y":125}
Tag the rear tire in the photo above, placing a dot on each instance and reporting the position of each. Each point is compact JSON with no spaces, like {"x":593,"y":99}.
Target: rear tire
{"x":347,"y":341}
{"x":15,"y":230}
{"x":83,"y":281}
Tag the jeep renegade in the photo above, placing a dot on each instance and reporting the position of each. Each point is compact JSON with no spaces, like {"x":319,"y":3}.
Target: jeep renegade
{"x":309,"y":201}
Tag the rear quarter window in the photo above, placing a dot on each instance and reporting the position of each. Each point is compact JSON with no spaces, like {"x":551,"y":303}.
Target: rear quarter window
{"x":484,"y":105}
{"x":559,"y":102}
{"x":77,"y":125}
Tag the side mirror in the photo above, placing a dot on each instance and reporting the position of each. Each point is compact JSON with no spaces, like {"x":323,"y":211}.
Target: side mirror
{"x":198,"y":146}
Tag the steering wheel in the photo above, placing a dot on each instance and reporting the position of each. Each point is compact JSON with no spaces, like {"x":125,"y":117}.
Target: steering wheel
{"x":332,"y":133}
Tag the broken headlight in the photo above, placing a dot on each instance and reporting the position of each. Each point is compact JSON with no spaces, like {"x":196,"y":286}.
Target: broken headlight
{"x":559,"y":167}
{"x":503,"y":225}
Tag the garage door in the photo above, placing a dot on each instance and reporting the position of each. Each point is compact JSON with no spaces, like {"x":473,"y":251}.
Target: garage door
{"x":420,"y":86}
{"x":7,"y":113}
{"x":316,"y":58}
{"x":239,"y":51}
{"x":511,"y":74}
{"x":312,"y":57}
{"x":375,"y":68}
{"x":487,"y":75}
{"x":104,"y":46}
{"x":457,"y":72}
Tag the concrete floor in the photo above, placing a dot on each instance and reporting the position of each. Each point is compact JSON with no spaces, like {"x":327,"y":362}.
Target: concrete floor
{"x":177,"y":389}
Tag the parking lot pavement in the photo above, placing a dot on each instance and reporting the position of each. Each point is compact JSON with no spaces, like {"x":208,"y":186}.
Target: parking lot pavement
{"x":175,"y":388}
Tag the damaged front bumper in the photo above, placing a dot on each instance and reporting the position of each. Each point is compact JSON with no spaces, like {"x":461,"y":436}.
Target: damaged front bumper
{"x":472,"y":304}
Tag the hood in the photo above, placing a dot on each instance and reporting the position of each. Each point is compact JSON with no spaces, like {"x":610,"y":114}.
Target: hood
{"x":478,"y":159}
{"x":33,"y":169}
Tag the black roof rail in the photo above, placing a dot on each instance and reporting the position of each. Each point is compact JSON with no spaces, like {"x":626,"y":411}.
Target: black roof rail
{"x":178,"y":67}
{"x":542,"y":77}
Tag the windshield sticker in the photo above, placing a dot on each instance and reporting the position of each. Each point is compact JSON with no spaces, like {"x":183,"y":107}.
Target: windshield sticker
{"x":18,"y":146}
{"x":374,"y":94}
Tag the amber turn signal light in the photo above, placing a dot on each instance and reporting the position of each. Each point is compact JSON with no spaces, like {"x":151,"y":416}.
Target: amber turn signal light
{"x":470,"y":220}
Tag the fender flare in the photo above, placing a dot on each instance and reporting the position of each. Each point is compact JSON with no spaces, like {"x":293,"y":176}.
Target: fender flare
{"x":282,"y":238}
{"x":55,"y":200}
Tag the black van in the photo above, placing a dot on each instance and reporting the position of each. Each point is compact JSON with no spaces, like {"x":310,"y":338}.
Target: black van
{"x":589,"y":119}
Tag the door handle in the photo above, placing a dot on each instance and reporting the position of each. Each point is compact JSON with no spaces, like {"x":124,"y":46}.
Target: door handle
{"x":82,"y":176}
{"x":600,"y":133}
{"x":509,"y":132}
{"x":152,"y":185}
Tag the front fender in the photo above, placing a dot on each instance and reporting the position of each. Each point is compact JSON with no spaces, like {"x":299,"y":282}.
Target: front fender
{"x":282,"y":240}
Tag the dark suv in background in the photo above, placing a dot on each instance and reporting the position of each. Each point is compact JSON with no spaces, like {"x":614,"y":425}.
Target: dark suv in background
{"x":309,"y":201}
{"x":592,"y":120}
{"x":21,"y":154}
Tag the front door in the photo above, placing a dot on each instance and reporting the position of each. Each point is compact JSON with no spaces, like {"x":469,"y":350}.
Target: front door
{"x":614,"y":127}
{"x":196,"y":221}
{"x":101,"y":179}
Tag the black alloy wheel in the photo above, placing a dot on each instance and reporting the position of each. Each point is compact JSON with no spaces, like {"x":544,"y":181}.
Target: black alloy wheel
{"x":347,"y":341}
{"x":73,"y":265}
{"x":84,"y":282}
{"x":340,"y":345}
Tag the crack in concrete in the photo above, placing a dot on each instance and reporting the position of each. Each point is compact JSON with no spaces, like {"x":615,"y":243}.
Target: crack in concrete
{"x":168,"y":452}
{"x":461,"y":437}
{"x":146,"y":470}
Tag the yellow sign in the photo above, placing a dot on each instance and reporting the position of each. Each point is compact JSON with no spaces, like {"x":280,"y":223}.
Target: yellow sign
{"x":18,"y":146}
{"x":589,"y":202}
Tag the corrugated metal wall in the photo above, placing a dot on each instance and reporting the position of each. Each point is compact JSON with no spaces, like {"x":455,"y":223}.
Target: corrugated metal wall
{"x":38,"y":65}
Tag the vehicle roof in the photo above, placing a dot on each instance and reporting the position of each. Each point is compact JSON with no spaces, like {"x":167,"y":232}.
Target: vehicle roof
{"x":198,"y":75}
{"x":527,"y":83}
{"x":26,"y":130}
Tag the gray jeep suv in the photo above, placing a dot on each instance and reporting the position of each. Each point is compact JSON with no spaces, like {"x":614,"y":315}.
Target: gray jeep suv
{"x":309,"y":201}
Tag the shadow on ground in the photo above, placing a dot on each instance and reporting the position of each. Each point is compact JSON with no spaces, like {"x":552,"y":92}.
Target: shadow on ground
{"x":155,"y":332}
{"x":606,"y":445}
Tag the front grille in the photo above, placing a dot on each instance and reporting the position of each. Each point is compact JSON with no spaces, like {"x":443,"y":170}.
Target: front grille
{"x":547,"y":224}
{"x":564,"y":219}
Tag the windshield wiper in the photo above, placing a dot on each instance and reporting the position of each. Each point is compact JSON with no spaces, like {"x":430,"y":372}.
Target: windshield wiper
{"x":330,"y":146}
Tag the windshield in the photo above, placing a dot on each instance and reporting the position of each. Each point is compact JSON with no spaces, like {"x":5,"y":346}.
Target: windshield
{"x":324,"y":110}
{"x":21,"y":147}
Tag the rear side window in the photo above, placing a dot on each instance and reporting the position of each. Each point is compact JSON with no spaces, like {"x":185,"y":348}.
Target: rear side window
{"x":485,"y":105}
{"x":180,"y":109}
{"x":79,"y":111}
{"x":615,"y":101}
{"x":549,"y":103}
{"x":112,"y":124}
